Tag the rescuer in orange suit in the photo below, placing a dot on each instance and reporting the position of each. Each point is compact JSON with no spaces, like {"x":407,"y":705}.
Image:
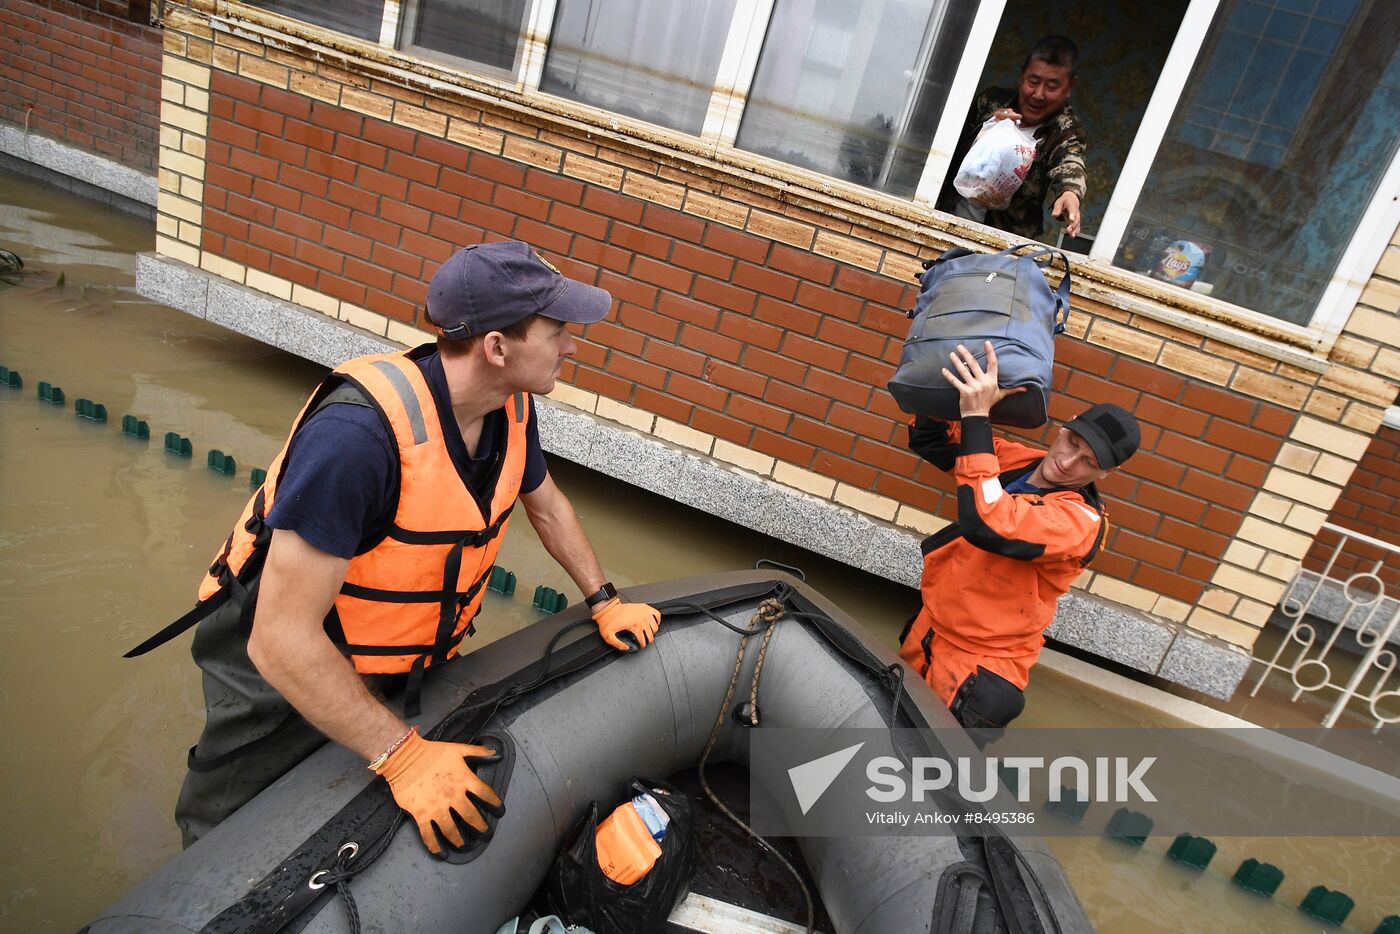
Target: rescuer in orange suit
{"x":1029,"y":522}
{"x":362,"y":559}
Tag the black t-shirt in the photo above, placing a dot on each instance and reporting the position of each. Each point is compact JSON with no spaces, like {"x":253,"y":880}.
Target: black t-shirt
{"x":339,"y":483}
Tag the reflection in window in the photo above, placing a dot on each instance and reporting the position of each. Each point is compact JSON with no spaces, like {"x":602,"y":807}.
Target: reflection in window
{"x":359,"y":18}
{"x":483,"y":31}
{"x":653,"y":61}
{"x":1280,"y":139}
{"x":855,"y":90}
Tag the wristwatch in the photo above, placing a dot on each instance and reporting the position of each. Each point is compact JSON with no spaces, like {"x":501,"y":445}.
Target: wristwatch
{"x":603,"y":595}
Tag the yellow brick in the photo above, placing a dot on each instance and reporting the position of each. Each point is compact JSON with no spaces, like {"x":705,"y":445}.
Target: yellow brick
{"x":1124,"y":593}
{"x":746,"y":458}
{"x":901,"y":267}
{"x":1301,"y":489}
{"x":1379,"y":326}
{"x":1219,"y":601}
{"x":1324,"y":437}
{"x":1232,"y":631}
{"x":1244,"y":555}
{"x":1274,"y":537}
{"x":1271,"y":507}
{"x":1253,"y":613}
{"x":716,"y":209}
{"x":189,"y":188}
{"x":1174,"y":610}
{"x":196,"y":99}
{"x":260,"y":69}
{"x":196,"y":146}
{"x":502,"y":122}
{"x":1084,"y":581}
{"x":317,"y":87}
{"x":186,"y":210}
{"x":1305,"y":519}
{"x":592,"y":170}
{"x":782,"y":229}
{"x":654,"y":190}
{"x":1325,"y":405}
{"x":1359,"y":386}
{"x":316,"y":301}
{"x":1387,"y":364}
{"x":168,"y":180}
{"x":225,"y":59}
{"x":223,"y":268}
{"x":186,"y":72}
{"x":1247,"y":583}
{"x":183,"y":118}
{"x":170,"y":137}
{"x":920,"y":521}
{"x":572,"y":396}
{"x":1352,"y":351}
{"x":182,"y":163}
{"x":684,"y":435}
{"x":364,"y":319}
{"x":1126,"y":340}
{"x":371,"y":105}
{"x":1269,"y":388}
{"x":583,"y":147}
{"x":1196,"y":365}
{"x":165,"y":246}
{"x":533,"y":153}
{"x":1389,"y":266}
{"x":1294,"y":457}
{"x":420,"y":119}
{"x":173,"y":42}
{"x":1364,"y":418}
{"x":1332,"y":469}
{"x":406,"y":335}
{"x":627,"y":415}
{"x":804,"y":480}
{"x":882,"y":507}
{"x":189,"y":233}
{"x":272,"y":285}
{"x":848,"y":250}
{"x":1382,"y":295}
{"x":475,"y":135}
{"x":1239,"y":355}
{"x":1279,"y":567}
{"x":167,"y":225}
{"x":172,"y":91}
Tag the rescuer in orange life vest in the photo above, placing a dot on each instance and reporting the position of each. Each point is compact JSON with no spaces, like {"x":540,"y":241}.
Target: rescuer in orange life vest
{"x":1029,"y":522}
{"x":368,"y":547}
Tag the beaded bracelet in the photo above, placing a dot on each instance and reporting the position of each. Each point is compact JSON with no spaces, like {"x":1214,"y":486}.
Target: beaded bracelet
{"x":378,"y":763}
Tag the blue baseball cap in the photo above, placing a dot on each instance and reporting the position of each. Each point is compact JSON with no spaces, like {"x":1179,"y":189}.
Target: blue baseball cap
{"x":490,"y":286}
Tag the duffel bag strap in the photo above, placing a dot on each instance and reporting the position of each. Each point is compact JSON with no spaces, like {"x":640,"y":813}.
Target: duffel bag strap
{"x":1061,"y":293}
{"x":956,"y":252}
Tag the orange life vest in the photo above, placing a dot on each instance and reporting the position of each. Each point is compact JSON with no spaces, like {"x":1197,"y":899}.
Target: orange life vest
{"x":409,"y":601}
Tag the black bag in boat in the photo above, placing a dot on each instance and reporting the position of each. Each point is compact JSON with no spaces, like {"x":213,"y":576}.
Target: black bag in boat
{"x":968,"y":298}
{"x":579,"y":892}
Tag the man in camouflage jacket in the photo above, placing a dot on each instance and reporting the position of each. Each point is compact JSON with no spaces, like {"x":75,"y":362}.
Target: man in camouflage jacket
{"x":1040,"y":103}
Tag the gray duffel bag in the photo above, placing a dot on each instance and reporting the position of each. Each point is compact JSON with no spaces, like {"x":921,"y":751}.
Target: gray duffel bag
{"x":968,"y":298}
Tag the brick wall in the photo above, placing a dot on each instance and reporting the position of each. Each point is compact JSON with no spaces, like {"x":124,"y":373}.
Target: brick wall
{"x":1370,"y":504}
{"x":770,"y":347}
{"x":85,"y":74}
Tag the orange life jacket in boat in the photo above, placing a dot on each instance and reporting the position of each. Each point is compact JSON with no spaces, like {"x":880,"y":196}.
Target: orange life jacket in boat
{"x":409,"y":601}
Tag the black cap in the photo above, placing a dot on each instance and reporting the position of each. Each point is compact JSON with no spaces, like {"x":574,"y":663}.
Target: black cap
{"x":491,"y":286}
{"x":1110,"y":430}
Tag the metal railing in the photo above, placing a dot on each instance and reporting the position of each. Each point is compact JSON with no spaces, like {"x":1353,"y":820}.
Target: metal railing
{"x":1310,"y":670}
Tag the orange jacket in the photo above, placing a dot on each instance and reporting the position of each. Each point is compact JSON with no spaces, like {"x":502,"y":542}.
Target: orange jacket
{"x":408,"y":601}
{"x":991,"y":580}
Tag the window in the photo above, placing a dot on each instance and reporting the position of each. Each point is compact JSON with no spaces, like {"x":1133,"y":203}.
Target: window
{"x":483,"y":31}
{"x":855,"y":90}
{"x":359,"y":18}
{"x":1283,"y":133}
{"x":653,"y":61}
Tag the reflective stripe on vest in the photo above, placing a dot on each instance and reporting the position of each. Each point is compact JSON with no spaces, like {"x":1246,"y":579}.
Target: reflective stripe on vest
{"x":410,"y":600}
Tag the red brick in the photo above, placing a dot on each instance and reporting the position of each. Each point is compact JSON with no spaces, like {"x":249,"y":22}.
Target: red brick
{"x":724,"y":295}
{"x":333,"y":215}
{"x":675,"y":358}
{"x":554,"y":187}
{"x":843,"y":335}
{"x":1114,"y":565}
{"x":442,"y":153}
{"x":370,"y":275}
{"x":381,"y":183}
{"x":861,"y":422}
{"x":637,"y":240}
{"x":225,"y":131}
{"x":706,"y":262}
{"x":802,"y":264}
{"x":1157,"y":469}
{"x":1274,"y":420}
{"x":664,"y":275}
{"x":829,"y":463}
{"x":404,"y":263}
{"x":467,"y":186}
{"x":787,"y":316}
{"x":609,"y":334}
{"x":258,"y":119}
{"x":797,"y":400}
{"x":825,"y":300}
{"x":735,"y":378}
{"x":1200,"y":568}
{"x":1077,"y":355}
{"x":601,"y":254}
{"x":1233,"y":436}
{"x":286,"y":103}
{"x":1188,"y":535}
{"x":253,"y":164}
{"x":1147,"y":549}
{"x":1194,"y":453}
{"x":380,"y":231}
{"x":281,"y":151}
{"x":649,"y":322}
{"x":817,"y":353}
{"x":360,"y":152}
{"x":872,"y":288}
{"x":320,"y":257}
{"x":584,"y":222}
{"x":1222,"y":520}
{"x":415,"y":170}
{"x":722,"y":426}
{"x":873,"y":373}
{"x":886,"y":321}
{"x":1095,"y":390}
{"x":627,"y":290}
{"x":334,"y":119}
{"x":706,"y":341}
{"x":838,"y":388}
{"x":496,"y":169}
{"x":687,"y":310}
{"x":602,"y":383}
{"x":907,"y":491}
{"x":673,"y":223}
{"x":539,"y":236}
{"x":1218,"y":402}
{"x":734,"y":243}
{"x":517,"y":202}
{"x":1131,"y":516}
{"x":331,"y":167}
{"x":1148,"y":379}
{"x":630,"y":368}
{"x":766,"y":282}
{"x":431,"y":249}
{"x":613,"y":205}
{"x":663,"y":405}
{"x":405,"y":215}
{"x":749,"y":331}
{"x":303,"y":181}
{"x":1171,"y":416}
{"x":276,"y":195}
{"x":887,"y":457}
{"x":591,"y":355}
{"x":1168,"y":583}
{"x":759,"y":413}
{"x":1215,"y":490}
{"x":337,"y":286}
{"x":782,"y":447}
{"x":389,"y":305}
{"x":703,"y":394}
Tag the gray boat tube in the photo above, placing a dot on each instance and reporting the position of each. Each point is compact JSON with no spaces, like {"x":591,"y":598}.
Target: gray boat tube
{"x":580,"y":738}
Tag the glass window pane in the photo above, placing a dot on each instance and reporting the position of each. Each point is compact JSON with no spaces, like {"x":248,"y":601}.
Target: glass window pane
{"x":483,"y":31}
{"x":359,"y":18}
{"x":653,"y":61}
{"x":1257,"y":207}
{"x":855,"y":90}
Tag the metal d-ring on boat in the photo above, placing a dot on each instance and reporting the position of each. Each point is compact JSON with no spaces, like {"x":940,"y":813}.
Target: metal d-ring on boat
{"x":575,"y":721}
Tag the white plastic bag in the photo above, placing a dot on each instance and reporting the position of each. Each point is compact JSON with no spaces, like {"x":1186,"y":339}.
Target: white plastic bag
{"x":996,"y":164}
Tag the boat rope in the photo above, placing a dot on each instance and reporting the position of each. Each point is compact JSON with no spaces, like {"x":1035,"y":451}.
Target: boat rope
{"x":769,"y":612}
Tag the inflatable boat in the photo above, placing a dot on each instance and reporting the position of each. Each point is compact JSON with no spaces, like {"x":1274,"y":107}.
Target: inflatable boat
{"x":324,"y":849}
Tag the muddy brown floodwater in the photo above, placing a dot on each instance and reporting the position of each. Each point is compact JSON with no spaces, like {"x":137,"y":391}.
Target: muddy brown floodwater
{"x":103,"y":539}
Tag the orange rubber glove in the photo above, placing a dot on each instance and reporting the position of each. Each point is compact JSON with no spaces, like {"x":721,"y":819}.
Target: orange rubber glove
{"x":640,"y":619}
{"x":431,"y":780}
